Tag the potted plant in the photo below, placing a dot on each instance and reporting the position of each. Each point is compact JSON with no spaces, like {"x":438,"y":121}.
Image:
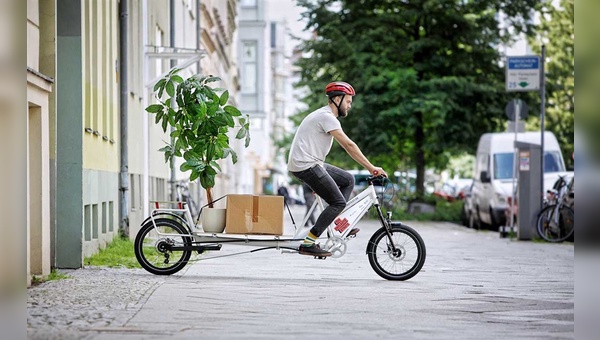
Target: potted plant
{"x":201,"y":121}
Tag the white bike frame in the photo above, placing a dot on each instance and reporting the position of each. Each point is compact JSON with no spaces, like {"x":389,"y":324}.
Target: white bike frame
{"x":356,"y":208}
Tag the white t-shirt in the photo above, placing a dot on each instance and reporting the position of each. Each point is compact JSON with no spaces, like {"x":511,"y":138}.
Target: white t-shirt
{"x":312,"y":141}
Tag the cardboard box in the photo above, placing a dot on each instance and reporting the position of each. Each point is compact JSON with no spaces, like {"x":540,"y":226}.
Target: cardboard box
{"x":252,"y":214}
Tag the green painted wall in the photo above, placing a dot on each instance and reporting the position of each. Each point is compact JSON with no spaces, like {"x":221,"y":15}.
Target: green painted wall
{"x":69,"y":132}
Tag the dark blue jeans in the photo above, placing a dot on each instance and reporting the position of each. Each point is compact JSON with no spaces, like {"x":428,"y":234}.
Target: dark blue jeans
{"x":333,"y":185}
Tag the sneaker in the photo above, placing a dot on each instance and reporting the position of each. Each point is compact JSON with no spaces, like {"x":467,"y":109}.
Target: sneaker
{"x":353,"y":232}
{"x":313,"y":250}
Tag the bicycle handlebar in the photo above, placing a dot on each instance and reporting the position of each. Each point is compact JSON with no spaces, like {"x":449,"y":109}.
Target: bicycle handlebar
{"x":370,"y":179}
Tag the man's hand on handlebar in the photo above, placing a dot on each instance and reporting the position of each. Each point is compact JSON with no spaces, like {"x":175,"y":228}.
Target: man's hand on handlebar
{"x":377,"y":171}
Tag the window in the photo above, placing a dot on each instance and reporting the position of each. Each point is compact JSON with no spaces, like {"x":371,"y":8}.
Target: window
{"x":552,"y":162}
{"x":273,"y":34}
{"x":248,"y":3}
{"x":249,"y":71}
{"x":482,"y":164}
{"x":158,"y":41}
{"x":504,"y":164}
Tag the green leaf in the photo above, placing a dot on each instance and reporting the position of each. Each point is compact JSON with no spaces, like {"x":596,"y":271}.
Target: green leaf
{"x":232,"y":110}
{"x":154,"y":108}
{"x":216,"y":165}
{"x":224,"y":98}
{"x":159,"y":84}
{"x":229,"y":120}
{"x":185,"y":167}
{"x":210,"y":151}
{"x":165,"y":122}
{"x":170,"y":88}
{"x":194,"y":175}
{"x":209,"y":170}
{"x":159,"y":116}
{"x":234,"y":157}
{"x":211,"y":79}
{"x":206,"y":180}
{"x":241,"y":133}
{"x":177,"y":79}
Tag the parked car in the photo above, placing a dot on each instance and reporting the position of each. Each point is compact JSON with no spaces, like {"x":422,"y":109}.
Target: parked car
{"x":453,"y":190}
{"x":446,"y":191}
{"x":467,"y":207}
{"x":388,"y":189}
{"x":494,"y":166}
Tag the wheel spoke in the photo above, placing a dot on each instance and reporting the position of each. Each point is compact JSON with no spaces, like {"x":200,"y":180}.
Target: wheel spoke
{"x":153,"y":244}
{"x":400,"y":259}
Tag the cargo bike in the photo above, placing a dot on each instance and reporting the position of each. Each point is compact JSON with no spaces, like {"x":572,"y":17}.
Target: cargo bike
{"x":167,"y":239}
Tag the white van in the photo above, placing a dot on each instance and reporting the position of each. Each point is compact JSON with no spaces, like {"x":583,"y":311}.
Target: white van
{"x":494,"y":166}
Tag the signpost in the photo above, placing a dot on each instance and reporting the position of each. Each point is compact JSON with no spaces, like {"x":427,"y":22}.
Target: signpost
{"x":523,"y":74}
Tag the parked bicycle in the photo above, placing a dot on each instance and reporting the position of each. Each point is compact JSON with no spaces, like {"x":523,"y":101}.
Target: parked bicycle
{"x":183,"y":195}
{"x":167,"y":238}
{"x":556,"y":220}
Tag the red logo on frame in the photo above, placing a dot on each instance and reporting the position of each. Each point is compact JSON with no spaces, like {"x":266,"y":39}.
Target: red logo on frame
{"x":341,"y":225}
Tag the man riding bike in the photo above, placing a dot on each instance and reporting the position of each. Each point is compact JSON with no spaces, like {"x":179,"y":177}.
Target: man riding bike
{"x":312,"y":142}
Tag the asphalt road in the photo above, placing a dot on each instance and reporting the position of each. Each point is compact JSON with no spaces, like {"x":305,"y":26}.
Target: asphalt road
{"x":474,"y":285}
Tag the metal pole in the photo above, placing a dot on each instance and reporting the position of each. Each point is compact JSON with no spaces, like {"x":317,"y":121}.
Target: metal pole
{"x":542,"y":113}
{"x":123,"y":102}
{"x":145,"y":100}
{"x":198,"y":71}
{"x":173,"y":180}
{"x":515,"y":167}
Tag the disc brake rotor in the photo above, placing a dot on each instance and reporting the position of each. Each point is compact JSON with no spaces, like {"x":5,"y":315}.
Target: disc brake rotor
{"x":396,"y":254}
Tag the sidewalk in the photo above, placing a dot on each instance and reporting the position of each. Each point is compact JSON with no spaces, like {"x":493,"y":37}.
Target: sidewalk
{"x":474,"y":285}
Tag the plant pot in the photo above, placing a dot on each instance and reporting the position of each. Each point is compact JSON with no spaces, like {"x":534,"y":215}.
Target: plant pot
{"x":213,"y":220}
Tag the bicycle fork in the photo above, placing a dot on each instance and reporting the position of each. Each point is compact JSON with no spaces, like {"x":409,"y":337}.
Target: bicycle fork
{"x":386,"y":222}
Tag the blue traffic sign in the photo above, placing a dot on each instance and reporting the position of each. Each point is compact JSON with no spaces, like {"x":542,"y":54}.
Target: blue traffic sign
{"x":523,"y":73}
{"x":523,"y":63}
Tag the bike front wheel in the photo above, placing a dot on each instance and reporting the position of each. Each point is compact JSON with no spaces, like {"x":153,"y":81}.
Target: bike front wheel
{"x":556,"y":222}
{"x":399,"y":256}
{"x":153,"y":246}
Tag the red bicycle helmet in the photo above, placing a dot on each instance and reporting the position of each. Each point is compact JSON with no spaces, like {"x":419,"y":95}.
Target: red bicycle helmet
{"x":338,"y":88}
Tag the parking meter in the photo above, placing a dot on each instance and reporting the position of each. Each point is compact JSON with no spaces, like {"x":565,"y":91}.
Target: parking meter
{"x":530,"y":191}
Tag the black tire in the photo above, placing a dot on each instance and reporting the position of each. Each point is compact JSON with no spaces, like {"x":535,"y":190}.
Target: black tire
{"x":150,"y":251}
{"x":472,"y":223}
{"x":401,"y":263}
{"x":464,"y":216}
{"x":547,"y":228}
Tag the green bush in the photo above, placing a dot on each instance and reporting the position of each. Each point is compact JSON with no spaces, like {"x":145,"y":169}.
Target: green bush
{"x":444,"y":210}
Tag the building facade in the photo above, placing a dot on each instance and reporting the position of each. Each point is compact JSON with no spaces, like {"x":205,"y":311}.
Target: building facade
{"x":40,"y":117}
{"x":74,"y":123}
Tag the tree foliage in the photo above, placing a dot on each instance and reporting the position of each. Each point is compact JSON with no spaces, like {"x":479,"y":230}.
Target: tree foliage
{"x":428,"y":74}
{"x":557,"y":32}
{"x":201,"y":123}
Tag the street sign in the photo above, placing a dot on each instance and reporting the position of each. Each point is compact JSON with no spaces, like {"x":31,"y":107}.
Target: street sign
{"x":513,"y":106}
{"x":523,"y":73}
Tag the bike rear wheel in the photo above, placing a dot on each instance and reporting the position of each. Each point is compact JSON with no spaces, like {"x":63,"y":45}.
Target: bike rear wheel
{"x":153,"y":250}
{"x":398,"y":261}
{"x":554,"y":228}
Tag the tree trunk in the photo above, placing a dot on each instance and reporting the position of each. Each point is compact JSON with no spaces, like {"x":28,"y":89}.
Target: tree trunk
{"x":420,"y":155}
{"x":209,"y":197}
